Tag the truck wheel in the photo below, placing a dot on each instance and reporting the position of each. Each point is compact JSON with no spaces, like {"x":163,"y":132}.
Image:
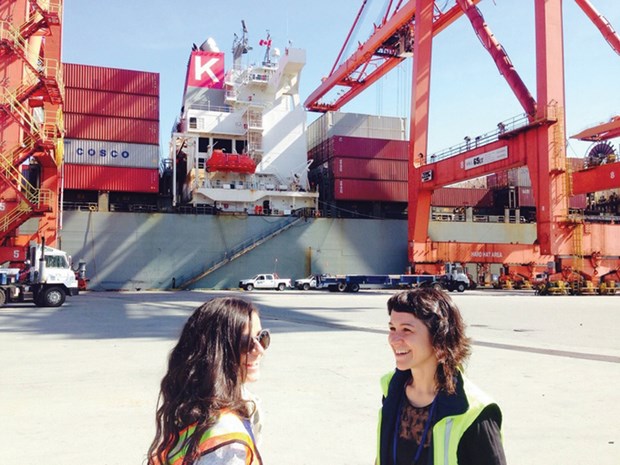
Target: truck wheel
{"x":281,"y":286}
{"x":354,"y":287}
{"x":460,"y":287}
{"x":249,"y":287}
{"x":306,"y":287}
{"x":51,"y":297}
{"x":342,"y":287}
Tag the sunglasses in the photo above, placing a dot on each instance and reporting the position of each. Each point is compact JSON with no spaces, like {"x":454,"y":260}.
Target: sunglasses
{"x":263,"y":339}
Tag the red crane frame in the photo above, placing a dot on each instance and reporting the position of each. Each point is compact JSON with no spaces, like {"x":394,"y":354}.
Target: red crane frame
{"x":539,"y":144}
{"x":30,"y":122}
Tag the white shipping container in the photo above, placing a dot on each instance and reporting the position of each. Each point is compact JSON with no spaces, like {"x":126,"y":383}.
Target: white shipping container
{"x":356,"y":125}
{"x":105,"y":153}
{"x":519,"y":177}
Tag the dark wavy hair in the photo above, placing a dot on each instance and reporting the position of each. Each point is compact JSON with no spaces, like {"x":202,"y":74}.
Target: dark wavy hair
{"x":445,"y":324}
{"x":205,"y":376}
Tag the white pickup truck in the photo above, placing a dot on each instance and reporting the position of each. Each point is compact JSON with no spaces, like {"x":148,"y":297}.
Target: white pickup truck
{"x":265,"y":281}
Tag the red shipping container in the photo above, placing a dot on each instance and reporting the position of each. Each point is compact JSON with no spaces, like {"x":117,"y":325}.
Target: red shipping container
{"x":111,"y":79}
{"x":364,"y":147}
{"x":579,"y":201}
{"x":358,"y":168}
{"x":462,"y":197}
{"x":91,"y":127}
{"x":525,"y":197}
{"x":367,"y":190}
{"x":111,"y":178}
{"x":103,"y":103}
{"x":575,"y":164}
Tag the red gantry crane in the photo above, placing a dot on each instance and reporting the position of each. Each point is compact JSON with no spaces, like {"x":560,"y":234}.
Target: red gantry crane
{"x":31,"y":132}
{"x":537,"y":141}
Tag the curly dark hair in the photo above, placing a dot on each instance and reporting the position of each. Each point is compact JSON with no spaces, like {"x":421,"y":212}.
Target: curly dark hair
{"x":205,"y":375}
{"x":445,"y":324}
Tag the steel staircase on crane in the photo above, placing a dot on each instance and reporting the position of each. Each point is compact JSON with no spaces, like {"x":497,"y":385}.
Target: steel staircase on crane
{"x":241,"y":249}
{"x":40,"y":84}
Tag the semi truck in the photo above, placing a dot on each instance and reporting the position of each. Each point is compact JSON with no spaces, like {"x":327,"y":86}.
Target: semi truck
{"x":45,"y":278}
{"x":455,"y":279}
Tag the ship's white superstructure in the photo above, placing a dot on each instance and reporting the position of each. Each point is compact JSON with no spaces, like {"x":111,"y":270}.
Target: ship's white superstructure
{"x":240,"y":144}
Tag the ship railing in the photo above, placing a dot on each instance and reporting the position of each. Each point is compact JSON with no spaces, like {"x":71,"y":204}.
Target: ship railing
{"x":447,"y":217}
{"x":280,"y":186}
{"x":209,"y":107}
{"x":80,"y":206}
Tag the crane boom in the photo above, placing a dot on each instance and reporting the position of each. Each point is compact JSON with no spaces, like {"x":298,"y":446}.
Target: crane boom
{"x":389,"y":44}
{"x":601,"y":23}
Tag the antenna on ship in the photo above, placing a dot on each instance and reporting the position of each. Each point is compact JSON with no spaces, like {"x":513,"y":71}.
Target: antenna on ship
{"x":240,"y":44}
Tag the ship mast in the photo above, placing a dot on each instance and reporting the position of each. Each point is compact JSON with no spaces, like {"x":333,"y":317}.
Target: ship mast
{"x":240,"y":46}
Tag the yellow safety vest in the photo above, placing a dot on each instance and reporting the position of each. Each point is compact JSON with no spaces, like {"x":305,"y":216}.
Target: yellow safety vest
{"x":448,"y":431}
{"x":228,"y":429}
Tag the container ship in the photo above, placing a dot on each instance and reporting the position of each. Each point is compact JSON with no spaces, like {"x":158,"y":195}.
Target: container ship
{"x":239,"y":144}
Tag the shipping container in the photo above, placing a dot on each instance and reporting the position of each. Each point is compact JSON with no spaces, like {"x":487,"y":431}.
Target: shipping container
{"x":90,"y":127}
{"x":110,"y":178}
{"x":462,"y":197}
{"x":361,"y":147}
{"x":516,"y":177}
{"x":104,"y":103}
{"x":519,"y":177}
{"x":525,"y":197}
{"x":576,"y":164}
{"x":356,"y":125}
{"x":110,"y":79}
{"x":386,"y":170}
{"x":579,"y":201}
{"x":106,"y":153}
{"x":367,"y":190}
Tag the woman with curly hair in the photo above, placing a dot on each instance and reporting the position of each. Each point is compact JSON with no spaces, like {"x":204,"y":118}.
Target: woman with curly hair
{"x":205,"y":414}
{"x":431,"y":413}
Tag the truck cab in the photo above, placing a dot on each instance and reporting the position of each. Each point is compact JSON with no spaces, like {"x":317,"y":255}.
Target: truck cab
{"x":456,"y":278}
{"x":46,"y":279}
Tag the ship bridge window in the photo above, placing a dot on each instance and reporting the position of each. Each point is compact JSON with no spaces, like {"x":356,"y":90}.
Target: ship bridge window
{"x":201,"y":163}
{"x":193,"y":122}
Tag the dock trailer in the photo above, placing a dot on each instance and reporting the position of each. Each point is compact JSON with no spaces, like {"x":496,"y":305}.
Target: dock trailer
{"x":454,"y":281}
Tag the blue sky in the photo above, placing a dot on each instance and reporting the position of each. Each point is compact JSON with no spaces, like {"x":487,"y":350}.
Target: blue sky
{"x":468,"y":96}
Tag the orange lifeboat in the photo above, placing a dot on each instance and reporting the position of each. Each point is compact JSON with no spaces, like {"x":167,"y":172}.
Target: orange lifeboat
{"x":236,"y":163}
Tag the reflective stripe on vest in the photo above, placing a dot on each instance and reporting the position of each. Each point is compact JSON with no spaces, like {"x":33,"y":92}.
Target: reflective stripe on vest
{"x":448,"y":431}
{"x":228,"y":429}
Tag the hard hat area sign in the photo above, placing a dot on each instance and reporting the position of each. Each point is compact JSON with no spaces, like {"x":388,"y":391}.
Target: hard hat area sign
{"x":206,"y":70}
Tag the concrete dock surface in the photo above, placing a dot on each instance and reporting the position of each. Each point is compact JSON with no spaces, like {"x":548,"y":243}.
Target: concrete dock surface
{"x":79,"y":384}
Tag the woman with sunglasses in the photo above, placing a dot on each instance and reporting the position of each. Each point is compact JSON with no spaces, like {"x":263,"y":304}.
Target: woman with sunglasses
{"x":205,"y":414}
{"x":431,"y":413}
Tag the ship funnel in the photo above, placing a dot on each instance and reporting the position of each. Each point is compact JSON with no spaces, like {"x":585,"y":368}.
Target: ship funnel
{"x":209,"y":45}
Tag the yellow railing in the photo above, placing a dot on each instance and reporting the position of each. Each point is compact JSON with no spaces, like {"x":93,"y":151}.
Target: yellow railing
{"x":20,"y":110}
{"x":13,"y":174}
{"x":51,"y":6}
{"x":14,"y":215}
{"x":53,"y":70}
{"x":17,"y":152}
